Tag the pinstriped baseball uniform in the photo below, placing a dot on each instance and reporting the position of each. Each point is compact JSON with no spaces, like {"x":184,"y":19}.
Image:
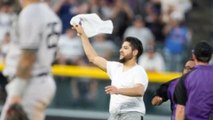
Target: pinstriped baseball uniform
{"x":37,"y":28}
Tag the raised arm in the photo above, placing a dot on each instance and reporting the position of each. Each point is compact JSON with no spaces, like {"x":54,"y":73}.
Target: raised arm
{"x":89,"y":50}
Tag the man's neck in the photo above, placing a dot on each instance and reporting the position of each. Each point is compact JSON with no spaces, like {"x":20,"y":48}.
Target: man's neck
{"x":29,"y":2}
{"x":129,"y":64}
{"x":201,"y":63}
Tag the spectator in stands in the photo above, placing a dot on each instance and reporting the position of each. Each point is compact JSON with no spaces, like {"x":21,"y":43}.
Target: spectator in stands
{"x":166,"y":90}
{"x":151,"y":60}
{"x":95,"y":7}
{"x":70,"y":50}
{"x":104,"y":47}
{"x":182,"y":6}
{"x":139,"y":31}
{"x":155,"y":24}
{"x":177,"y":38}
{"x":4,"y":47}
{"x":106,"y":9}
{"x":122,"y":16}
{"x":137,"y":6}
{"x":65,"y":9}
{"x":7,"y":16}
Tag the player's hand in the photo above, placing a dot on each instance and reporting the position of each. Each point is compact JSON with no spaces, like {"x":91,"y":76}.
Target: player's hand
{"x":157,"y":100}
{"x":79,"y":29}
{"x":111,"y":90}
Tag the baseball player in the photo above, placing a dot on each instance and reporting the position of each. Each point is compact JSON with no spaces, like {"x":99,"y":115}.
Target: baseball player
{"x":129,"y":80}
{"x":28,"y":63}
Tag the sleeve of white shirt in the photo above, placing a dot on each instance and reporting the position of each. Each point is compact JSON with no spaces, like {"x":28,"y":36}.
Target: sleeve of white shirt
{"x":141,"y":78}
{"x":30,"y":30}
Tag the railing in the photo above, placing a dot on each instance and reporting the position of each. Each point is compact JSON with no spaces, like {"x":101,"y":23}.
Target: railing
{"x":94,"y":72}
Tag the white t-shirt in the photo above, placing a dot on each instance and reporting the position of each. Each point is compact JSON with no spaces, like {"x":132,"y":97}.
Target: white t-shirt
{"x":38,"y":28}
{"x":126,"y":79}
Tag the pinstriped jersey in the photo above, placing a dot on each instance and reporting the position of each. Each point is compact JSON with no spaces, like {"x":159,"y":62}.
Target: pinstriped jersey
{"x":37,"y":28}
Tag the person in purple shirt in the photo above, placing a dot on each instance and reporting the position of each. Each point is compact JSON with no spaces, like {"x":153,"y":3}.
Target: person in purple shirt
{"x":194,"y":91}
{"x":166,"y":90}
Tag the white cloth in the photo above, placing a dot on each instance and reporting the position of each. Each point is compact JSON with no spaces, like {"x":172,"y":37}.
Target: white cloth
{"x":92,"y":24}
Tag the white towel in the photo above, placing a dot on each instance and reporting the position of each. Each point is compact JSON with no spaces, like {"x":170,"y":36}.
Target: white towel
{"x":92,"y":24}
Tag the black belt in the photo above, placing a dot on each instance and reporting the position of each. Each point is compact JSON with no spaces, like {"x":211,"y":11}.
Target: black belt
{"x":38,"y":75}
{"x":42,"y":74}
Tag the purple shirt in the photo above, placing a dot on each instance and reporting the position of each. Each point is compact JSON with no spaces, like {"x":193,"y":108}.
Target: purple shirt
{"x":195,"y":91}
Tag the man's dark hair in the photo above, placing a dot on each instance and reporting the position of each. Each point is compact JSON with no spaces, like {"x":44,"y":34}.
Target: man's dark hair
{"x":136,"y":44}
{"x":203,"y":52}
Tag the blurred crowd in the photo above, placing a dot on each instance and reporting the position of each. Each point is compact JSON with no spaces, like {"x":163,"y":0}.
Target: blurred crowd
{"x":159,"y":24}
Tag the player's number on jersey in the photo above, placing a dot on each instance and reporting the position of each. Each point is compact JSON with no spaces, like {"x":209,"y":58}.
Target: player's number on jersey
{"x":53,"y":36}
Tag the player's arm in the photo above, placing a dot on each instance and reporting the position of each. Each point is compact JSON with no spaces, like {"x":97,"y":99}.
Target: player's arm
{"x":161,"y":94}
{"x":137,"y":90}
{"x":180,"y":112}
{"x":25,"y":64}
{"x":89,"y":50}
{"x":180,"y":98}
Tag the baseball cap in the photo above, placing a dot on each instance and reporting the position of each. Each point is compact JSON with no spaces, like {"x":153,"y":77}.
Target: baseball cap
{"x":203,"y":51}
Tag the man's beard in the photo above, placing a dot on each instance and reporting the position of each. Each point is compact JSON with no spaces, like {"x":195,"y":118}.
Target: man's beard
{"x":126,"y":58}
